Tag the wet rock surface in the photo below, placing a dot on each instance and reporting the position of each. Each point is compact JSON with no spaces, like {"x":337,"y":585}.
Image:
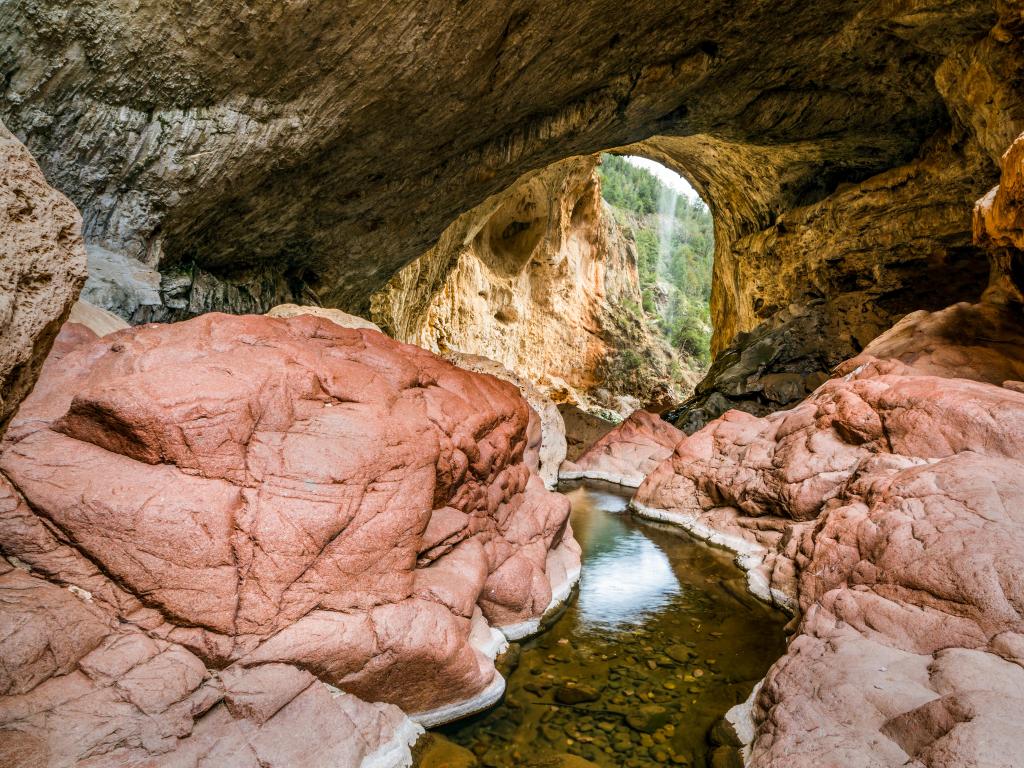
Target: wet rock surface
{"x":660,"y":642}
{"x":627,"y":453}
{"x":233,"y":552}
{"x":886,"y":510}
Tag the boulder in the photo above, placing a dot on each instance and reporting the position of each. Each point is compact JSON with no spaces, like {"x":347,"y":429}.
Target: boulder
{"x":886,"y":512}
{"x":98,"y":320}
{"x":122,"y":285}
{"x":344,"y":319}
{"x":327,"y":516}
{"x":42,"y":268}
{"x":548,"y":448}
{"x":627,"y":453}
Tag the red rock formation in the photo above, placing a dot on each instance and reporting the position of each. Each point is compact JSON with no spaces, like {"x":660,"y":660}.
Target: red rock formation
{"x":627,"y":453}
{"x":887,"y":510}
{"x":233,"y":512}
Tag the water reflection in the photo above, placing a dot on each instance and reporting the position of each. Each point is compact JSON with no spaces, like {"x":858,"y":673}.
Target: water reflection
{"x":661,"y":640}
{"x":626,"y":576}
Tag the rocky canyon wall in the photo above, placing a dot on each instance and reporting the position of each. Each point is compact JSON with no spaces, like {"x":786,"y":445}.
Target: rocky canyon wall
{"x":42,"y":268}
{"x":541,"y":279}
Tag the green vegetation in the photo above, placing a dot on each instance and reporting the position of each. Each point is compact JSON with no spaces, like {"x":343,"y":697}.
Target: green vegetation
{"x":675,"y":276}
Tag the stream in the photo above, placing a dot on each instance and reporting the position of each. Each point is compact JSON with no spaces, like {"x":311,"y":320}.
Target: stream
{"x":660,"y":641}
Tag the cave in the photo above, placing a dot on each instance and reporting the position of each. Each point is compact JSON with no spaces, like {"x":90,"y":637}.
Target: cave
{"x":353,"y":414}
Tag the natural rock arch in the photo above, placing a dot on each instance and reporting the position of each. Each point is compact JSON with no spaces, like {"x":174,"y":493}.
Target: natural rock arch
{"x":261,"y":141}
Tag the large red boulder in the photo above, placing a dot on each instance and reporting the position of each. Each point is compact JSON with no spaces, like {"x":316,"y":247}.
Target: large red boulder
{"x":887,"y":512}
{"x":306,"y":508}
{"x":627,"y":453}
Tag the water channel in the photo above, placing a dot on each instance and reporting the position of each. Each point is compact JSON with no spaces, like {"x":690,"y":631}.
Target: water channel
{"x":661,"y":640}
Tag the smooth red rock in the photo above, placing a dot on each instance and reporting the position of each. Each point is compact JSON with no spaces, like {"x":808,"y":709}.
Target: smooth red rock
{"x":628,"y":452}
{"x":264,"y":496}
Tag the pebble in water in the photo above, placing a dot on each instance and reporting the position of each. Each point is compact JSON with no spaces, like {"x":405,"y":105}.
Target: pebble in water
{"x":626,"y":679}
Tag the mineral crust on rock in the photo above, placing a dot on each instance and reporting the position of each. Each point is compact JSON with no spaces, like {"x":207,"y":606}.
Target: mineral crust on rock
{"x":256,"y":527}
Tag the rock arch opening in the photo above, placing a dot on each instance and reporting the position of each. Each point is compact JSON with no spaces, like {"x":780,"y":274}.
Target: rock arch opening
{"x":590,"y":278}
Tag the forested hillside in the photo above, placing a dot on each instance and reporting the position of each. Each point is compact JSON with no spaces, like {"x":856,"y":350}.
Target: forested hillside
{"x":675,"y":245}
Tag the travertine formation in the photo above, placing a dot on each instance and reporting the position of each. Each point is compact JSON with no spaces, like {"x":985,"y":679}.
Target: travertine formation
{"x":627,"y":453}
{"x":42,"y":267}
{"x":319,"y":509}
{"x":538,"y":278}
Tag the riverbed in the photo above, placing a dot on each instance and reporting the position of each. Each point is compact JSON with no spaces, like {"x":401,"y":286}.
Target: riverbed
{"x":660,"y":641}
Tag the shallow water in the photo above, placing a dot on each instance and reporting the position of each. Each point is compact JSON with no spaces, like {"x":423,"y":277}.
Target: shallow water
{"x":660,"y":641}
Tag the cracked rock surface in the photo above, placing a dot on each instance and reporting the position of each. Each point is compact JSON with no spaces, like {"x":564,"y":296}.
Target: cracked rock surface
{"x":887,"y":510}
{"x":255,"y":523}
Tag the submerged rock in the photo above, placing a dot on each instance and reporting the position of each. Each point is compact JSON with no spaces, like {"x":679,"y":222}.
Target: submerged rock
{"x":576,"y":694}
{"x":435,"y":751}
{"x":304,"y":507}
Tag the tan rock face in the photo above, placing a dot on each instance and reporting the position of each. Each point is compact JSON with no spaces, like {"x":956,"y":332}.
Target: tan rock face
{"x":539,"y":279}
{"x":42,"y":268}
{"x":999,"y":226}
{"x":338,"y":503}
